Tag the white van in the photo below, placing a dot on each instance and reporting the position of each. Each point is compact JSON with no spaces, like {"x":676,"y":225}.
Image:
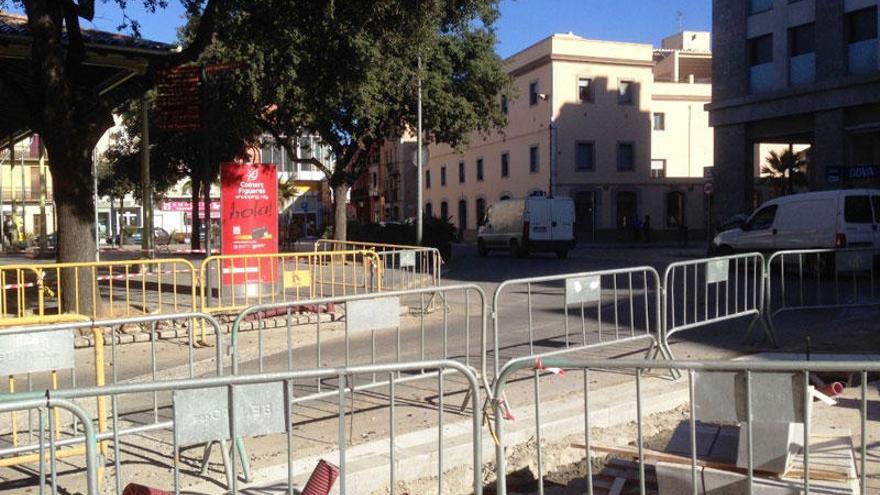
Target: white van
{"x":825,"y":219}
{"x":522,"y":226}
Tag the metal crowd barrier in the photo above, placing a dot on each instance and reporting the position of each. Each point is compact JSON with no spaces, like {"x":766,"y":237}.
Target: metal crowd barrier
{"x":743,"y":398}
{"x":63,"y":292}
{"x":707,"y":291}
{"x":625,"y":305}
{"x":403,"y":267}
{"x":220,"y":408}
{"x":239,"y":281}
{"x":391,"y":327}
{"x":821,"y":279}
{"x":44,"y":357}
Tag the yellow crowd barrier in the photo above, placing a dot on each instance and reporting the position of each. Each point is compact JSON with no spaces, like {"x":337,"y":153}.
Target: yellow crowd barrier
{"x":62,"y":292}
{"x":231,"y":283}
{"x":401,"y":267}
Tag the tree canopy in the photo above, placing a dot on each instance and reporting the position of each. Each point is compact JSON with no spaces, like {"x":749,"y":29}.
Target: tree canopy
{"x":348,"y":72}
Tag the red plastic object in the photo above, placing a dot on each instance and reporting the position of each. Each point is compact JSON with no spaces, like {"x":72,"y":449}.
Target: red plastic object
{"x":832,"y":389}
{"x":322,"y":479}
{"x":135,"y":489}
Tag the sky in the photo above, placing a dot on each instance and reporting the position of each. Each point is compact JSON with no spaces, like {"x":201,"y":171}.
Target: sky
{"x":522,"y":22}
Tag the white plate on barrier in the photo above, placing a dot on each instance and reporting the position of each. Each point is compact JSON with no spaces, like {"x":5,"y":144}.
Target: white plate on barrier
{"x":407,"y":259}
{"x":717,"y":271}
{"x":36,"y":352}
{"x":202,"y":415}
{"x":372,"y":314}
{"x":583,"y":289}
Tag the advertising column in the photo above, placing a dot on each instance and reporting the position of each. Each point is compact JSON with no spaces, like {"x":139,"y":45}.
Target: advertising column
{"x":250,"y":223}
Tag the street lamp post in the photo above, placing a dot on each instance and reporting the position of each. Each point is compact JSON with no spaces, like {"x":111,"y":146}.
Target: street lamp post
{"x":419,"y":164}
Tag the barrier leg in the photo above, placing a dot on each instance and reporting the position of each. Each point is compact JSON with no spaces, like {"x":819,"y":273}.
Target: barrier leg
{"x":245,"y":460}
{"x":768,"y":333}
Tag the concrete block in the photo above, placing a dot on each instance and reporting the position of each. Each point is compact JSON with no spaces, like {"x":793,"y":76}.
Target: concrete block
{"x":775,"y":445}
{"x":675,"y":479}
{"x":721,"y":397}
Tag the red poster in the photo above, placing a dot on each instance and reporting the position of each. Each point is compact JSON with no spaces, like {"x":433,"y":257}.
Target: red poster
{"x":250,"y":221}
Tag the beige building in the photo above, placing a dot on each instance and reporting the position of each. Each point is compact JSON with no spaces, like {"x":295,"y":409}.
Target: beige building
{"x":620,"y":127}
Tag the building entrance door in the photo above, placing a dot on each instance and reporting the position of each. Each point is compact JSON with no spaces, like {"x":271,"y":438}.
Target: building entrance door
{"x":584,"y":209}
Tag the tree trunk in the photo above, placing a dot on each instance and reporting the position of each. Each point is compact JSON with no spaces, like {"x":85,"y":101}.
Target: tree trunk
{"x":195,"y":241}
{"x":75,"y":210}
{"x":340,"y":221}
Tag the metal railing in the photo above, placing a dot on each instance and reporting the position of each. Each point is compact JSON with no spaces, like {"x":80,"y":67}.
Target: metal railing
{"x":214,"y":409}
{"x":63,"y":292}
{"x":714,"y":290}
{"x":821,"y":279}
{"x":240,"y":281}
{"x":748,"y":401}
{"x":403,"y":267}
{"x":621,"y":306}
{"x":391,"y":327}
{"x":44,"y":357}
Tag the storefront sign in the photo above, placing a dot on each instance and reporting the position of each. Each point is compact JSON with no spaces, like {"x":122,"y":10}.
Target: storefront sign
{"x":178,"y":206}
{"x":250,"y":221}
{"x":834,"y":175}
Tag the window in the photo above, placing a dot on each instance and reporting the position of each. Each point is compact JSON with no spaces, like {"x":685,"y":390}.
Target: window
{"x":479,"y":169}
{"x":534,"y":160}
{"x":761,"y":50}
{"x":533,"y":93}
{"x":375,"y":179}
{"x":626,"y":157}
{"x":584,"y":156}
{"x":658,"y":169}
{"x":659,"y":121}
{"x":861,"y":25}
{"x":443,"y":175}
{"x":481,"y":211}
{"x":624,"y":93}
{"x":763,"y":219}
{"x":857,"y":209}
{"x":674,"y":209}
{"x":461,"y":177}
{"x":444,"y":210}
{"x":427,"y":179}
{"x":505,"y":165}
{"x":756,"y":6}
{"x":761,"y":74}
{"x":802,"y":40}
{"x":462,"y":215}
{"x":504,"y":197}
{"x":801,"y":53}
{"x":585,"y":89}
{"x":861,"y":33}
{"x":429,"y":210}
{"x":504,"y":108}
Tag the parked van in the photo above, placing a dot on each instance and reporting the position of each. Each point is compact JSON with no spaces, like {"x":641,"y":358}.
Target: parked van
{"x":523,"y":226}
{"x":825,"y":219}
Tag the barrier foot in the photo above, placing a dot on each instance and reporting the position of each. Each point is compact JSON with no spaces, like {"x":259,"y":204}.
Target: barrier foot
{"x":245,"y":460}
{"x":206,"y":454}
{"x":768,"y":333}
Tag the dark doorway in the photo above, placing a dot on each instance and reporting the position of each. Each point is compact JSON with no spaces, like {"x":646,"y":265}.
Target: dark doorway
{"x":584,"y":215}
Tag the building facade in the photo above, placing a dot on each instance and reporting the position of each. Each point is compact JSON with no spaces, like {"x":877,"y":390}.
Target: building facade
{"x":26,"y":190}
{"x":619,"y":127}
{"x":796,"y":74}
{"x":386,"y":191}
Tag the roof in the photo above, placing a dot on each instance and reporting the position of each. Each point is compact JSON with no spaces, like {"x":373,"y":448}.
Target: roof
{"x":112,"y":59}
{"x":15,"y":26}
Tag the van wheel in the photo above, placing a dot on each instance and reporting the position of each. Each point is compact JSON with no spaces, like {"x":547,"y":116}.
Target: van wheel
{"x":562,"y":253}
{"x":481,"y":248}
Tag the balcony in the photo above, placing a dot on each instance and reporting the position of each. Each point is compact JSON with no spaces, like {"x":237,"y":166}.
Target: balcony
{"x":802,"y":69}
{"x":863,"y":57}
{"x":761,"y":78}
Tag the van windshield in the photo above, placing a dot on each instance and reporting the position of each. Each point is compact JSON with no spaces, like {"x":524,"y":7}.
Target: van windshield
{"x":857,"y":209}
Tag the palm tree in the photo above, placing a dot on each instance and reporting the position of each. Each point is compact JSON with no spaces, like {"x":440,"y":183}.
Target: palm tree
{"x":785,"y":170}
{"x":286,"y":192}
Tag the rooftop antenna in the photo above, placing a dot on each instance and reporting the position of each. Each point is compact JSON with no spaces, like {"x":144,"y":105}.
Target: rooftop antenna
{"x":679,"y":15}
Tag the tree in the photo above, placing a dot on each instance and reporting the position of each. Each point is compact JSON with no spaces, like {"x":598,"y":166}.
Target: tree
{"x":70,"y":114}
{"x":347,"y":71}
{"x":785,"y":171}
